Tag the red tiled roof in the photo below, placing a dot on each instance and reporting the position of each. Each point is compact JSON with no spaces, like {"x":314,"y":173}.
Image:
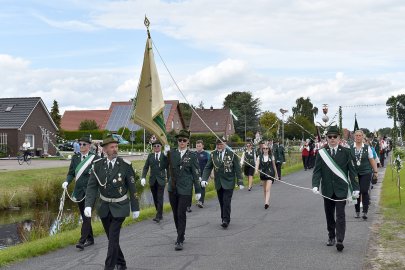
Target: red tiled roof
{"x":216,"y":119}
{"x":71,"y":119}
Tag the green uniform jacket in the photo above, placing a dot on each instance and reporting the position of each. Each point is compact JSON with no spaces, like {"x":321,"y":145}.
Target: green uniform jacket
{"x":158,"y":169}
{"x":279,"y":153}
{"x":81,"y":184}
{"x":120,"y":182}
{"x":225,"y":171}
{"x":185,"y":172}
{"x":331,"y":183}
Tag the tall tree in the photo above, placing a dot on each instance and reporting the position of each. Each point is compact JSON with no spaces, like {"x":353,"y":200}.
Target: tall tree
{"x":305,"y":129}
{"x":246,"y":108}
{"x":55,"y":115}
{"x":397,"y":104}
{"x":268,"y":121}
{"x":304,"y":107}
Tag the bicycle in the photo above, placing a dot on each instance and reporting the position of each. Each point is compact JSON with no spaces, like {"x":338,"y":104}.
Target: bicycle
{"x":21,"y":160}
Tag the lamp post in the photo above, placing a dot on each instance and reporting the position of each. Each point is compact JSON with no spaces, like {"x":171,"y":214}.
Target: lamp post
{"x":283,"y":111}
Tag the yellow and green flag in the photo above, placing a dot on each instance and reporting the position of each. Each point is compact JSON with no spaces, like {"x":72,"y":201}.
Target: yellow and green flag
{"x":149,"y":103}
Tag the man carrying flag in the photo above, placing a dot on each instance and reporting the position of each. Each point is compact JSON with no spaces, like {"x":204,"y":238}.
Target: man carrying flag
{"x":332,"y":167}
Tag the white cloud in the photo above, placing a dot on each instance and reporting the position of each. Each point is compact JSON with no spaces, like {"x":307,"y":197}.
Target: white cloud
{"x":72,"y":25}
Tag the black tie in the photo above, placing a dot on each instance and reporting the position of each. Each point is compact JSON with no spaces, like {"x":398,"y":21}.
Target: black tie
{"x":109,"y":166}
{"x":156,"y":157}
{"x":83,"y":157}
{"x":333,"y":152}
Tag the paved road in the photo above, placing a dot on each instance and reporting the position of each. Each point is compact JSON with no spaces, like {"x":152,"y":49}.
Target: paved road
{"x":291,"y":234}
{"x":42,"y":163}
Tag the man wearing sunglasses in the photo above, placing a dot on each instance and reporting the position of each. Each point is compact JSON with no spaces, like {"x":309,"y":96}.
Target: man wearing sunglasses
{"x":226,"y":165}
{"x":157,"y":162}
{"x":80,"y":169}
{"x":184,"y":172}
{"x":333,"y":165}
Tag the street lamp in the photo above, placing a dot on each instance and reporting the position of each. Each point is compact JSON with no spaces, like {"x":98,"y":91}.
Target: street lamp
{"x":283,"y":111}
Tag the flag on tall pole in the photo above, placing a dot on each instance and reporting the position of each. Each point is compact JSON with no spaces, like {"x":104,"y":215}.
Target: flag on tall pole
{"x":356,"y":125}
{"x":149,"y":103}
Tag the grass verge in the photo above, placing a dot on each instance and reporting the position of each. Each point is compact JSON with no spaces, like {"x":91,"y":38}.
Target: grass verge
{"x":42,"y":246}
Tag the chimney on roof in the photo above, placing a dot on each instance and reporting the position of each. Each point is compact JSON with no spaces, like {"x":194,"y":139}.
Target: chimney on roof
{"x":211,"y":108}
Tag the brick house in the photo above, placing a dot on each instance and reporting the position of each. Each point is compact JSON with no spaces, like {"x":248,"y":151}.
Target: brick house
{"x":219,"y":120}
{"x":26,"y":118}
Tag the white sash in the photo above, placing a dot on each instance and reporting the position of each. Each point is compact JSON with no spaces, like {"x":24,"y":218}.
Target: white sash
{"x":338,"y":171}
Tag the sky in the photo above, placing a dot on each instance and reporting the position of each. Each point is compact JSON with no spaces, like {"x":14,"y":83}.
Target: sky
{"x":86,"y":54}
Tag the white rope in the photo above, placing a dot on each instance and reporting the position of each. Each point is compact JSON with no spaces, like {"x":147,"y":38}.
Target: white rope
{"x":181,"y":92}
{"x":73,"y":199}
{"x":60,"y":213}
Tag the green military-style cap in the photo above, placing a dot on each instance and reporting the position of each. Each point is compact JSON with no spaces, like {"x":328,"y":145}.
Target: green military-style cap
{"x":183,"y":134}
{"x":85,"y":139}
{"x":109,"y":139}
{"x":333,"y":130}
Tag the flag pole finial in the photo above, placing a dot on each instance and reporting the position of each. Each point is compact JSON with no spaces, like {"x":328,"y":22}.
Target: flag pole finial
{"x":147,"y":23}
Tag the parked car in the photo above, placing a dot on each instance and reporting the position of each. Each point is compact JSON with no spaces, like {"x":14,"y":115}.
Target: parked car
{"x":120,"y":139}
{"x":67,"y":146}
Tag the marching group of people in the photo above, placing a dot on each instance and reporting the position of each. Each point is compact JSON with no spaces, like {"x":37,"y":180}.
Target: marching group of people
{"x":340,"y":172}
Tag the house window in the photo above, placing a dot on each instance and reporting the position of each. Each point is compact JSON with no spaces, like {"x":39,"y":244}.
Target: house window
{"x":216,"y":123}
{"x":9,"y":108}
{"x":172,"y":124}
{"x":30,"y":138}
{"x":229,"y":126}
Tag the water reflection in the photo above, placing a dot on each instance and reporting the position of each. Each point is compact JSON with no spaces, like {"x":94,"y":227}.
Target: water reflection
{"x":17,"y":226}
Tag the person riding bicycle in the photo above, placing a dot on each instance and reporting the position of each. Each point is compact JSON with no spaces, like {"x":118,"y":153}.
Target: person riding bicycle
{"x":26,"y":148}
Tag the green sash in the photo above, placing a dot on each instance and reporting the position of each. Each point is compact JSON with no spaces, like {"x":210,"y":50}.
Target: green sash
{"x":338,"y":171}
{"x":83,"y":165}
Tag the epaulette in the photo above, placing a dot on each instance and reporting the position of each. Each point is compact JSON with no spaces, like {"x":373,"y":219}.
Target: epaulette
{"x":126,"y":161}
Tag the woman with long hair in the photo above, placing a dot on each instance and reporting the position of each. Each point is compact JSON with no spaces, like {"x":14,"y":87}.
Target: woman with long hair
{"x":365,"y":166}
{"x":266,"y":165}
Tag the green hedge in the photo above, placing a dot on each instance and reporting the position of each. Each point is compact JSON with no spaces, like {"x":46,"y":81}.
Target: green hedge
{"x":95,"y":134}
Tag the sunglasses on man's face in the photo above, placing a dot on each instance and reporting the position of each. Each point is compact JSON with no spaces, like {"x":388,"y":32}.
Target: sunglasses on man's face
{"x":182,"y":140}
{"x":156,"y":145}
{"x":82,"y":144}
{"x":332,"y":137}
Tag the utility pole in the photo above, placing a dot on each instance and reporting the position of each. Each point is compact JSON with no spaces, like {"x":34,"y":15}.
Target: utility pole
{"x":283,"y":111}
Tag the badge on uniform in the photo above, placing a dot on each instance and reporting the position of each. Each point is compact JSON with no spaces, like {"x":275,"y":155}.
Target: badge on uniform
{"x":114,"y":181}
{"x":132,"y":180}
{"x":119,"y":177}
{"x":120,"y":190}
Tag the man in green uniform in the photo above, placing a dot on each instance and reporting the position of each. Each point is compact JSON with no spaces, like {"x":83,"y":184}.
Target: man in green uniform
{"x":227,"y":168}
{"x":279,"y":156}
{"x":333,"y":164}
{"x":183,"y":174}
{"x":157,"y":162}
{"x":80,"y":169}
{"x":111,"y":180}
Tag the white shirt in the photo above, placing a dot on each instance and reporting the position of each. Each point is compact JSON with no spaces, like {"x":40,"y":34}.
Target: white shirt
{"x":26,"y":145}
{"x":370,"y":152}
{"x":112,"y":162}
{"x":182,"y":152}
{"x":158,"y":155}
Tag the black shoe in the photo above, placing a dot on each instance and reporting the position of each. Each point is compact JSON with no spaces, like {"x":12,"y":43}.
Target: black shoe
{"x":250,"y":189}
{"x":224,"y":225}
{"x":364,"y":216}
{"x":157,"y":220}
{"x":357,"y":215}
{"x":331,"y":242}
{"x":339,"y":246}
{"x":80,"y":246}
{"x":266,"y":206}
{"x":178,"y":246}
{"x":121,"y":267}
{"x":88,"y":243}
{"x":200,"y":204}
{"x":189,"y":209}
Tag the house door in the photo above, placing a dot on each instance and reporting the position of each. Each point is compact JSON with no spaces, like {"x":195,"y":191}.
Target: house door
{"x":3,"y":144}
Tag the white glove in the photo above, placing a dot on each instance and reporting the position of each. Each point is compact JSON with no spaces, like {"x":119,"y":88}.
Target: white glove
{"x":241,"y":187}
{"x":135,"y":214}
{"x":87,"y":211}
{"x":143,"y":182}
{"x":197,"y":196}
{"x":204,"y":183}
{"x":65,"y":184}
{"x":356,"y":194}
{"x":167,"y":149}
{"x":315,"y":190}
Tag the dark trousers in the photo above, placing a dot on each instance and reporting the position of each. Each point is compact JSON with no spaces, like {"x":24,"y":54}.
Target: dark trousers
{"x":87,"y":230}
{"x":382,"y":158}
{"x":305,"y":160}
{"x":179,"y":205}
{"x":157,"y":193}
{"x":364,"y":182}
{"x":335,"y":228}
{"x":202,"y":195}
{"x":278,"y":168}
{"x":225,"y":198}
{"x":112,"y":227}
